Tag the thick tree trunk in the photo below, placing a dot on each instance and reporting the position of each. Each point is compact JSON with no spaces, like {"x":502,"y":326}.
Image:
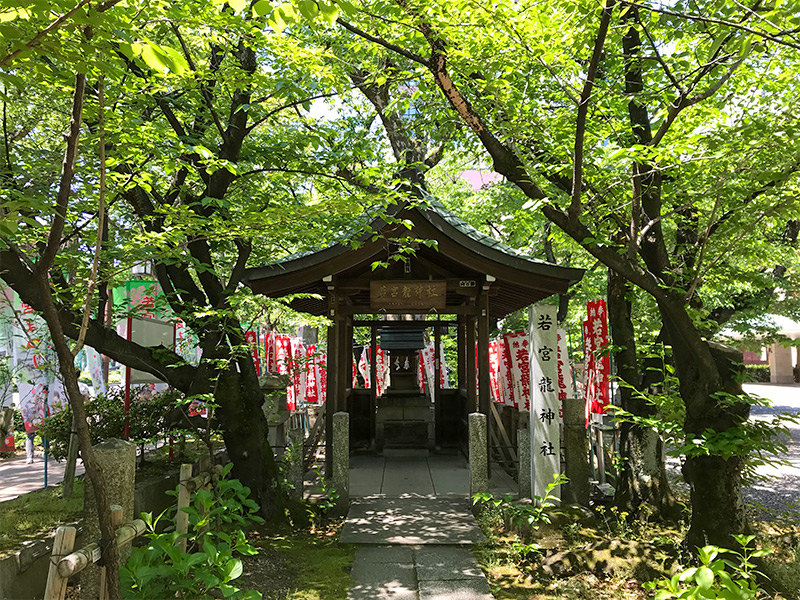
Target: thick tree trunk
{"x":707,"y":379}
{"x":642,"y":485}
{"x":245,"y":431}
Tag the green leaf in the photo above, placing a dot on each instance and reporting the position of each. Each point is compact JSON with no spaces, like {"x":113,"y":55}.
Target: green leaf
{"x":704,"y":577}
{"x":237,"y":5}
{"x":262,"y":7}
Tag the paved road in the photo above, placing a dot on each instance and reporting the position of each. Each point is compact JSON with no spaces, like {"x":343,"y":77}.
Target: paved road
{"x":17,"y":477}
{"x":782,"y":491}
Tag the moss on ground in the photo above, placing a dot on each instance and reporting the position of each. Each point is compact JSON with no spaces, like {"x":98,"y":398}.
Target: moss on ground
{"x":35,"y":514}
{"x":299,"y":565}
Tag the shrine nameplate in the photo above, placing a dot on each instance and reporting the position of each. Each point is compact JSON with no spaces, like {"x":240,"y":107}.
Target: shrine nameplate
{"x":405,"y":294}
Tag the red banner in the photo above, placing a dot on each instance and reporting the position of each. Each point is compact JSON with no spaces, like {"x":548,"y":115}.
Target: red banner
{"x":595,"y":334}
{"x":517,"y":350}
{"x":252,"y":339}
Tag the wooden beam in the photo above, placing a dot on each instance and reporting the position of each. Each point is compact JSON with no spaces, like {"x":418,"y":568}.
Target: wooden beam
{"x":333,"y":372}
{"x":373,"y":392}
{"x":484,"y":399}
{"x":471,"y":372}
{"x":404,"y":324}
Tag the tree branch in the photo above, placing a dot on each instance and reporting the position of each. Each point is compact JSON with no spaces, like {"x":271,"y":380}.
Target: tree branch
{"x":583,"y":109}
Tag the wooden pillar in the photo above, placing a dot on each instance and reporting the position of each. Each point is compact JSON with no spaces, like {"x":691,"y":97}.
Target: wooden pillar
{"x":333,"y":374}
{"x":471,"y":370}
{"x":373,"y":372}
{"x":483,"y":354}
{"x":460,"y":344}
{"x":345,"y":363}
{"x":437,"y":370}
{"x":484,"y":398}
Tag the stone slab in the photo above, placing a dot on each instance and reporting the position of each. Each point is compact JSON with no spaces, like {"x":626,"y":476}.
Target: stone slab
{"x":371,"y":592}
{"x":467,"y":589}
{"x":378,"y":574}
{"x":410,"y":520}
{"x":446,"y":563}
{"x":384,"y":554}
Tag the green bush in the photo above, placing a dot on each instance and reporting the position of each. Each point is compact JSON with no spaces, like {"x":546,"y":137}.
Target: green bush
{"x":756,"y":373}
{"x":722,"y":575}
{"x":106,"y":417}
{"x":215,"y":541}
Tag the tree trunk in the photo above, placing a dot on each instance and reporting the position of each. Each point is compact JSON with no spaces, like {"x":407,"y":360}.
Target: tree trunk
{"x":642,"y":486}
{"x":246,"y":434}
{"x":718,"y":510}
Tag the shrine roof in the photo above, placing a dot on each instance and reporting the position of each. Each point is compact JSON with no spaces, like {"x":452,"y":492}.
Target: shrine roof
{"x":461,"y":251}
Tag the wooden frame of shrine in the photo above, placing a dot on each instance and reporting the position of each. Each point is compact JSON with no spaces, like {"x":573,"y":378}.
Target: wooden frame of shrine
{"x":435,"y":271}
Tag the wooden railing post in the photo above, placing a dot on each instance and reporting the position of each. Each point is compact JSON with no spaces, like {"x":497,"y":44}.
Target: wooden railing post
{"x":181,"y":518}
{"x":63,"y":544}
{"x":117,"y":518}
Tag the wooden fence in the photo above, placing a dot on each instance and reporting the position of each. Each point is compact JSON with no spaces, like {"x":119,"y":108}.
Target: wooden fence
{"x":65,"y":562}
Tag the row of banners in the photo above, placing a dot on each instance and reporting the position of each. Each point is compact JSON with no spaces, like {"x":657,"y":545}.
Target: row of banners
{"x":528,"y":370}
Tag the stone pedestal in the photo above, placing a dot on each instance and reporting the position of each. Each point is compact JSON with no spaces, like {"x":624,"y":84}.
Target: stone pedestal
{"x":117,"y":459}
{"x":294,"y":462}
{"x":524,"y":453}
{"x":341,"y":458}
{"x":576,"y":452}
{"x":478,"y":454}
{"x":404,"y":416}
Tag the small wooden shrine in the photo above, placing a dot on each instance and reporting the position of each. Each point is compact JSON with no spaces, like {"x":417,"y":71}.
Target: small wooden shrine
{"x":436,"y":274}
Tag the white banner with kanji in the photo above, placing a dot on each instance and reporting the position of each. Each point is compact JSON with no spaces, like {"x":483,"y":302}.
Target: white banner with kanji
{"x":545,"y":436}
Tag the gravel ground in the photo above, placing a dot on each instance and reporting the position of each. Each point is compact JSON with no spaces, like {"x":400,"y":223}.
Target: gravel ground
{"x":781,"y":492}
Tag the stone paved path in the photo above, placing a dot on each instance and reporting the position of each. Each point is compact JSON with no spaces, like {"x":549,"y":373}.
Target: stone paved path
{"x":414,"y":547}
{"x":417,"y":573}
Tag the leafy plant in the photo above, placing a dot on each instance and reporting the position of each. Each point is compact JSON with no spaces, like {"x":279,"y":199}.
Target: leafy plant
{"x":329,"y":495}
{"x":533,"y":514}
{"x":726,"y":578}
{"x":216,"y":538}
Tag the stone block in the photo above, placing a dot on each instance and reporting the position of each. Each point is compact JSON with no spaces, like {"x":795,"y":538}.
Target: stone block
{"x":117,"y":459}
{"x":341,"y":458}
{"x":478,"y":454}
{"x":524,"y":453}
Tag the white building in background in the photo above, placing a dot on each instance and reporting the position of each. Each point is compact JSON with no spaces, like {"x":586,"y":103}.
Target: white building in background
{"x":783,"y":360}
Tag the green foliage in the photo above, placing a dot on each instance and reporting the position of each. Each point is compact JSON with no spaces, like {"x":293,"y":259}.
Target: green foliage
{"x":531,"y":515}
{"x":758,"y":442}
{"x":722,"y":575}
{"x":215,"y":540}
{"x":328,"y":494}
{"x":106,"y":417}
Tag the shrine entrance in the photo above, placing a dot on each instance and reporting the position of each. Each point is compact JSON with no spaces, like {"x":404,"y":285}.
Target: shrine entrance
{"x":416,"y":277}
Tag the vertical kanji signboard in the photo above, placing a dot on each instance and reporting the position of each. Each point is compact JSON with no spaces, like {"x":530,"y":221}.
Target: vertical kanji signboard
{"x":545,"y":436}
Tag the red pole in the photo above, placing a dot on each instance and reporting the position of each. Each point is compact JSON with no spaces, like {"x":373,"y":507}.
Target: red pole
{"x":127,"y":406}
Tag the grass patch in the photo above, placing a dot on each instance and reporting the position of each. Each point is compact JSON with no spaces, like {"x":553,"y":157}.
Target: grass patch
{"x":299,"y":565}
{"x":33,"y":515}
